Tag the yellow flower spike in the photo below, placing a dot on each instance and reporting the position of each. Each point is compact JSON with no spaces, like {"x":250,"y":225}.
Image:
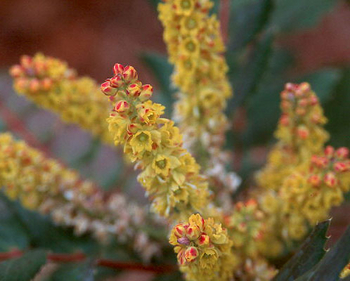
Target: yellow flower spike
{"x":44,"y":185}
{"x":195,"y":48}
{"x":170,"y":175}
{"x":300,"y":134}
{"x":203,"y":249}
{"x":50,"y":83}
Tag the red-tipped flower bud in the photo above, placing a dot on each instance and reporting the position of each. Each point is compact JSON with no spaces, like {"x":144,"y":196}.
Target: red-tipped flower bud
{"x":116,"y":81}
{"x":191,"y":254}
{"x":146,"y":92}
{"x":107,"y":89}
{"x":330,"y":179}
{"x":340,"y":167}
{"x":329,"y":151}
{"x":303,"y":132}
{"x":342,"y":153}
{"x":34,"y":85}
{"x":121,"y":106}
{"x":16,"y":71}
{"x":130,"y":74}
{"x":118,"y":69}
{"x":134,"y":90}
{"x":315,"y":180}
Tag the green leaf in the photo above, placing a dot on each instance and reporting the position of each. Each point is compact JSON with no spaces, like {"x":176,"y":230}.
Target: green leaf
{"x":44,"y":234}
{"x":308,"y":255}
{"x":23,"y":268}
{"x":73,"y":272}
{"x":247,"y":80}
{"x":12,"y":233}
{"x":247,"y":19}
{"x":292,"y":15}
{"x":332,"y":263}
{"x":337,"y":112}
{"x":263,"y":110}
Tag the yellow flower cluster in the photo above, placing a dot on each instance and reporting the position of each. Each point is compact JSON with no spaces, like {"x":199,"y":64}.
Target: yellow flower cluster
{"x":49,"y":83}
{"x":245,"y":227}
{"x":310,"y":193}
{"x":196,"y":49}
{"x":170,"y":174}
{"x":300,"y":135}
{"x":203,"y":249}
{"x":45,"y":185}
{"x":301,"y":183}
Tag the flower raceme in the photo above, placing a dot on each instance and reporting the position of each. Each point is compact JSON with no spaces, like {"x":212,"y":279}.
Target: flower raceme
{"x":300,"y":134}
{"x":203,"y":249}
{"x":195,"y":47}
{"x":50,"y":83}
{"x":45,"y":185}
{"x":170,"y":174}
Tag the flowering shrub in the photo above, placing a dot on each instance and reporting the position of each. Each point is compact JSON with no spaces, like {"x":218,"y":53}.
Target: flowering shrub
{"x":220,"y":227}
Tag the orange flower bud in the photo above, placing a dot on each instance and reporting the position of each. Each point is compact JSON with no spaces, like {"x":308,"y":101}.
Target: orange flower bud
{"x":329,"y":151}
{"x":16,"y":71}
{"x":107,"y":89}
{"x":203,"y":239}
{"x":34,"y":85}
{"x":116,"y":81}
{"x":118,"y":69}
{"x":46,"y":84}
{"x":315,"y":180}
{"x":121,"y":106}
{"x":191,"y":254}
{"x":330,"y":179}
{"x":342,"y":153}
{"x":340,"y":167}
{"x":303,"y":132}
{"x":146,"y":93}
{"x":134,"y":90}
{"x":26,"y":61}
{"x":130,"y":74}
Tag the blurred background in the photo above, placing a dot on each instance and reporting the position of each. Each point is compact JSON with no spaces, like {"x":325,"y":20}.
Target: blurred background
{"x":268,"y":43}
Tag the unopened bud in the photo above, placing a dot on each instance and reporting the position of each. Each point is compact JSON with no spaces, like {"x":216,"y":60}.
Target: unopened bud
{"x":121,"y":106}
{"x":315,"y":180}
{"x":130,"y":74}
{"x":340,"y":167}
{"x":34,"y":85}
{"x":342,"y":153}
{"x":107,"y":89}
{"x":118,"y":69}
{"x":191,"y":254}
{"x":134,"y":90}
{"x":146,"y":92}
{"x":116,"y":81}
{"x":330,"y":179}
{"x":16,"y":71}
{"x":329,"y":151}
{"x":303,"y":132}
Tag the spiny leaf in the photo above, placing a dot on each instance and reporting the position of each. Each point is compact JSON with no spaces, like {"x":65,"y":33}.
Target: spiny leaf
{"x":12,"y":233}
{"x":309,"y":254}
{"x":332,"y":263}
{"x":23,"y":268}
